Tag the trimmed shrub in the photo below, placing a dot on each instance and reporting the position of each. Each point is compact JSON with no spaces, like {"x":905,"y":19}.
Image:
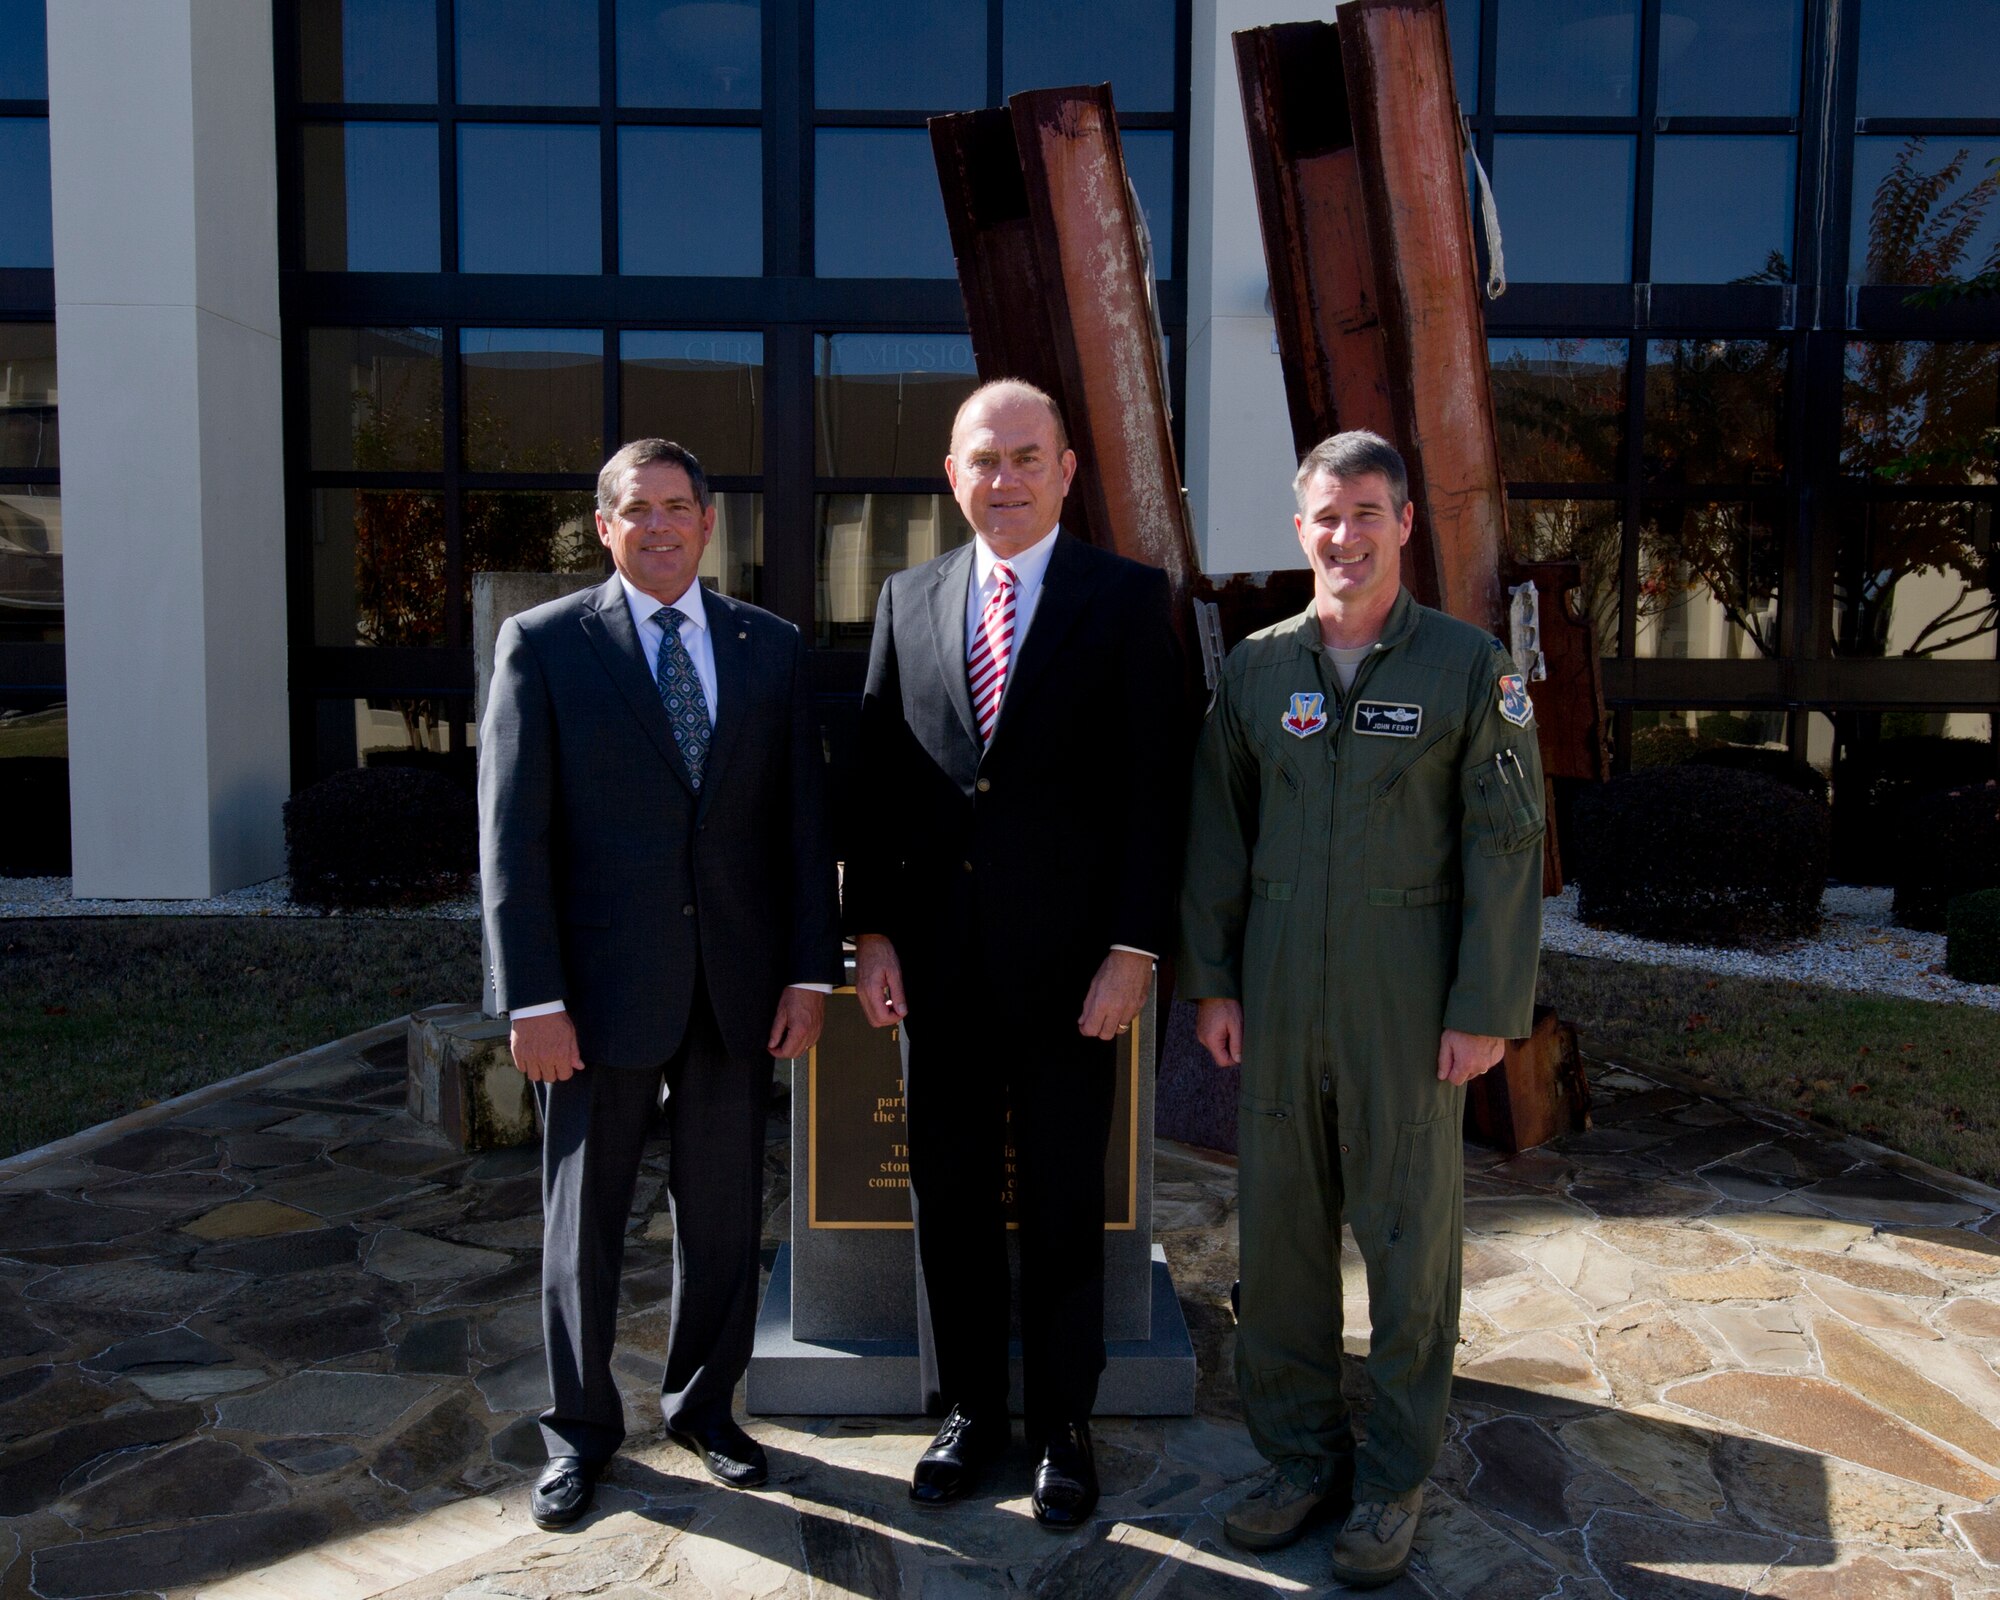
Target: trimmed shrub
{"x":380,"y":836}
{"x":1944,"y":845}
{"x":1972,"y":937}
{"x":1780,"y":764}
{"x":1702,"y":854}
{"x":1871,"y":788}
{"x":34,"y":798}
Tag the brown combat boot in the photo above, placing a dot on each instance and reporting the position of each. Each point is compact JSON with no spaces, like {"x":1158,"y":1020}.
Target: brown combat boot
{"x":1283,"y":1503}
{"x":1373,"y":1545}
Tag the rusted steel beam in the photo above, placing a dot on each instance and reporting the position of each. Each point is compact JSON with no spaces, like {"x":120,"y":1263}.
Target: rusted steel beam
{"x":1057,"y":290}
{"x":1307,"y":176}
{"x":1539,"y":1091}
{"x":1406,"y":133}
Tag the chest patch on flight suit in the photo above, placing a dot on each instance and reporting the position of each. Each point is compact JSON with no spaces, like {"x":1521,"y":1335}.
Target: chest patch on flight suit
{"x":1305,"y":716}
{"x":1515,"y":705}
{"x":1388,"y":720}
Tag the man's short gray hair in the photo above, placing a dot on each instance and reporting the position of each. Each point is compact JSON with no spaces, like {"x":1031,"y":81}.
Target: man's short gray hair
{"x":645,"y":453}
{"x":1349,"y":455}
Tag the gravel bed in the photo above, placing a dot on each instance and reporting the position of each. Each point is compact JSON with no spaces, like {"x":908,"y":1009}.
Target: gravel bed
{"x":50,"y":897}
{"x":1857,"y":947}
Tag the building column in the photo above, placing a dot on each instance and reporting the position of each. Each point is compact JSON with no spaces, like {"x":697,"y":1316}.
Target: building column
{"x":163,"y":154}
{"x":1239,"y":434}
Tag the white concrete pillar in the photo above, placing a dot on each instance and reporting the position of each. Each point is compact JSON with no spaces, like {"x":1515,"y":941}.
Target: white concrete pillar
{"x":1239,"y":437}
{"x":164,"y":161}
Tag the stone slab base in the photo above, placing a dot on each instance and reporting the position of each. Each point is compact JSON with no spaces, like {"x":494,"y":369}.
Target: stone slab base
{"x":463,"y":1081}
{"x":1152,"y":1377}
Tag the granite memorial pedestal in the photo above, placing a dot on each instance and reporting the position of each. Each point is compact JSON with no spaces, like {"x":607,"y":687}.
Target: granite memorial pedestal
{"x":842,"y":1332}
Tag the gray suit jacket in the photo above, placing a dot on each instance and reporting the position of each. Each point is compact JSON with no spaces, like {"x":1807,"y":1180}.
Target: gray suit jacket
{"x":608,"y":881}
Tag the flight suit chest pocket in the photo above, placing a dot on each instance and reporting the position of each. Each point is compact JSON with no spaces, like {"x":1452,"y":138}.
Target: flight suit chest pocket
{"x":1505,"y":808}
{"x":1274,"y":863}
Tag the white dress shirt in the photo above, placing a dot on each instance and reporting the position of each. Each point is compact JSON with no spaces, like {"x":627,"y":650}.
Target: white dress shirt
{"x":1030,"y":567}
{"x":701,"y":650}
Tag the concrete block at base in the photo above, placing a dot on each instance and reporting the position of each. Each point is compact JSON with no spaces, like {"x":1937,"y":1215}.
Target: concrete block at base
{"x":1150,"y":1377}
{"x":463,"y":1082}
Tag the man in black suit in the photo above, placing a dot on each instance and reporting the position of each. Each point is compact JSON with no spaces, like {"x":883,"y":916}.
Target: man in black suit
{"x":1022,"y":754}
{"x":660,"y":910}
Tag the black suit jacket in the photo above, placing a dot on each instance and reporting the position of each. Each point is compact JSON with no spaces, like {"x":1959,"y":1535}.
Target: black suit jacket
{"x":608,"y":882}
{"x":1005,"y":873}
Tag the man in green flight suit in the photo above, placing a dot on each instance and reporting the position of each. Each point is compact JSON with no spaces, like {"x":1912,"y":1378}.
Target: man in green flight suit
{"x":1361,"y":922}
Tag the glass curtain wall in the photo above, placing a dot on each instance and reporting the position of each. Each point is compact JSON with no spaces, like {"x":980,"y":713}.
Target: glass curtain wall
{"x":518,"y":232}
{"x":1732,"y":373}
{"x":34,"y":722}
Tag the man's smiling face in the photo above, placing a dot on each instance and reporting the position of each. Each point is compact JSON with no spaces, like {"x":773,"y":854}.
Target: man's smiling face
{"x":1353,"y":535}
{"x":1006,"y":472}
{"x":656,"y":530}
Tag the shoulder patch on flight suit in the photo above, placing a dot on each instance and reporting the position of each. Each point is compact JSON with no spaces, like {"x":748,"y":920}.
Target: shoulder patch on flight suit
{"x":1305,"y":715}
{"x":1388,"y":719}
{"x":1515,"y":705}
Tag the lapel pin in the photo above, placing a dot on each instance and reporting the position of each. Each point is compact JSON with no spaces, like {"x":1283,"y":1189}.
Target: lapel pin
{"x":743,"y":635}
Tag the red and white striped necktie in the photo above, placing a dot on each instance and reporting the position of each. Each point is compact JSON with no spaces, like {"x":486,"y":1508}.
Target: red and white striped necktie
{"x":991,"y":646}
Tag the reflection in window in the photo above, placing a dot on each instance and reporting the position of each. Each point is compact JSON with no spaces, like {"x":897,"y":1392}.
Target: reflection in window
{"x":1567,"y":201}
{"x":378,"y":567}
{"x":900,"y":55}
{"x":31,"y":586}
{"x":1567,"y":58}
{"x":1590,"y":531}
{"x":1560,"y":405}
{"x":24,"y":50}
{"x":528,"y":199}
{"x":527,"y":52}
{"x":371,"y":197}
{"x":691,"y":201}
{"x":368,"y":50}
{"x":694,"y":54}
{"x":29,"y":431}
{"x":1149,"y":163}
{"x":1927,"y":58}
{"x":1129,"y":42}
{"x":32,"y":725}
{"x":376,"y":398}
{"x":876,"y":210}
{"x":864,"y":540}
{"x":1722,"y":209}
{"x":1730,"y":58}
{"x":26,"y":231}
{"x":528,"y":530}
{"x":1921,"y":411}
{"x":1715,"y":411}
{"x":1915,"y":578}
{"x":883,"y":402}
{"x":734,"y":559}
{"x":1924,"y":209}
{"x":705,"y":390}
{"x":391,"y":732}
{"x":534,"y":400}
{"x":1667,"y":738}
{"x":1708,"y":582}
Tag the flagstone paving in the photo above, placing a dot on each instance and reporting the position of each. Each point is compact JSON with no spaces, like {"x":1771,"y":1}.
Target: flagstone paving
{"x":283,"y":1345}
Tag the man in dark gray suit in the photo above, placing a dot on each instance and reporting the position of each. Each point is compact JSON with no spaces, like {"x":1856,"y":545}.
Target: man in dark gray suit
{"x":661,"y":912}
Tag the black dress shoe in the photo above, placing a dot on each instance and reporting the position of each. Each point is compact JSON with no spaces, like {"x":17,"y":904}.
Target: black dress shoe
{"x":563,"y":1492}
{"x":730,"y":1455}
{"x":1066,"y":1481}
{"x":964,"y":1447}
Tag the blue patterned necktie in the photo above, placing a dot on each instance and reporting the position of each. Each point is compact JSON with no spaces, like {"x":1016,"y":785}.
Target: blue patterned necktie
{"x":680,"y":693}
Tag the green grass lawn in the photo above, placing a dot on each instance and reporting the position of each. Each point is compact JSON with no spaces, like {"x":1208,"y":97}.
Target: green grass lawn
{"x":103,"y":1015}
{"x":39,"y":733}
{"x":1917,"y":1076}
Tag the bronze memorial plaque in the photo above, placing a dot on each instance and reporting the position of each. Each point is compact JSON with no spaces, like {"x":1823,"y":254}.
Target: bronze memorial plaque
{"x":858,"y":1151}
